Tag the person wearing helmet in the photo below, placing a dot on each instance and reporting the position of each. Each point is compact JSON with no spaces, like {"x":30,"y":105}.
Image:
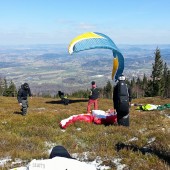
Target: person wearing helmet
{"x":121,"y":101}
{"x":22,"y":96}
{"x":93,"y":98}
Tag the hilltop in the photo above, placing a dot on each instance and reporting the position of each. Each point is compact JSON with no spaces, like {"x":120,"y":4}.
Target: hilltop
{"x":24,"y":138}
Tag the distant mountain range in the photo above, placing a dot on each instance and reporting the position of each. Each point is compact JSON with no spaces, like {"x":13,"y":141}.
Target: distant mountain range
{"x":49,"y":68}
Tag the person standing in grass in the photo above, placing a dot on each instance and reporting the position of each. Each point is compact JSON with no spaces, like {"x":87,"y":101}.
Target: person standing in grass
{"x":22,"y":96}
{"x":121,"y":101}
{"x":93,"y":98}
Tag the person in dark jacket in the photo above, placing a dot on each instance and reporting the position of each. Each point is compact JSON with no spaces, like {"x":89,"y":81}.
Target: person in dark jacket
{"x":93,"y":98}
{"x":121,"y":101}
{"x":63,"y":97}
{"x":22,"y":96}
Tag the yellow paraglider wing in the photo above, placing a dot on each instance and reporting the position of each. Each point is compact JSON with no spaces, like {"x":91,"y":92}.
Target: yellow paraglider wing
{"x":80,"y":38}
{"x":115,"y":66}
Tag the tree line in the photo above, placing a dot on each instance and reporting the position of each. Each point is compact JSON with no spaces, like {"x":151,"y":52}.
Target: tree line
{"x":158,"y":84}
{"x":7,"y":90}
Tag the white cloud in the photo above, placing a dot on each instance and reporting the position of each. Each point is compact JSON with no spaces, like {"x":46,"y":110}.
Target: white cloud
{"x":86,"y":26}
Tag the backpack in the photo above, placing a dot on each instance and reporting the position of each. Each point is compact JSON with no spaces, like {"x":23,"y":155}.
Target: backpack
{"x":123,"y":97}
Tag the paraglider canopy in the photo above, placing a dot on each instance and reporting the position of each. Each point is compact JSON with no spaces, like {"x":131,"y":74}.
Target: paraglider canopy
{"x":95,"y":40}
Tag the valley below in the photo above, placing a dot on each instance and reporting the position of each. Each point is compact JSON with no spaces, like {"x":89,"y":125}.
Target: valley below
{"x":49,"y":68}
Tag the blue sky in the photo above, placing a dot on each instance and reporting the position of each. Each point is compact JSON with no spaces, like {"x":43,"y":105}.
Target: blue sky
{"x":59,"y":21}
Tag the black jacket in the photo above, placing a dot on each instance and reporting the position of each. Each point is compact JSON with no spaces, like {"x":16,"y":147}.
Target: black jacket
{"x":94,"y":93}
{"x":23,"y":93}
{"x":116,"y":95}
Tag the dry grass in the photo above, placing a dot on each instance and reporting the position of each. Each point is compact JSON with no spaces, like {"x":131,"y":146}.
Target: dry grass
{"x":31,"y":136}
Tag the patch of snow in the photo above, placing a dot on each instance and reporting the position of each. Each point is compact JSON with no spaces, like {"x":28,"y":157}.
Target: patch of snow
{"x":81,"y":157}
{"x":133,"y":139}
{"x":78,"y":129}
{"x":142,"y":130}
{"x":167,"y":115}
{"x":4,"y":122}
{"x":98,"y":161}
{"x":50,"y":145}
{"x":17,"y":161}
{"x":151,"y":140}
{"x":4,"y":161}
{"x":119,"y":166}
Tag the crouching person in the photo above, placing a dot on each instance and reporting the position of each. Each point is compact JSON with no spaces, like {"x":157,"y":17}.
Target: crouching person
{"x":22,"y":96}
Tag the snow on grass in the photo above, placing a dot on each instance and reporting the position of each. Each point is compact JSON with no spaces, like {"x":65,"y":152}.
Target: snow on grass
{"x":133,"y":139}
{"x":98,"y":161}
{"x":119,"y":166}
{"x":4,"y":161}
{"x":167,"y":115}
{"x":151,"y":140}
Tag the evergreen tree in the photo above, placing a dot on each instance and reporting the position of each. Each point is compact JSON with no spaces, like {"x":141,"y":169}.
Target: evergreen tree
{"x":133,"y":82}
{"x":157,"y":74}
{"x":11,"y":90}
{"x":164,"y":80}
{"x":5,"y":87}
{"x":1,"y":87}
{"x":133,"y":87}
{"x":167,"y":86}
{"x":104,"y":92}
{"x":81,"y":94}
{"x":108,"y":90}
{"x":144,"y":84}
{"x":101,"y":91}
{"x":155,"y":85}
{"x":149,"y":89}
{"x":138,"y":87}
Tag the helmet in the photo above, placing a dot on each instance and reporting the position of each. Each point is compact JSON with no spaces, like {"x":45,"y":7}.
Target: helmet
{"x":121,"y":77}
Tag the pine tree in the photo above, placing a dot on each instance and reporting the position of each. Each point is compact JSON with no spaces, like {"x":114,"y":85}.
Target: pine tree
{"x":164,"y":80}
{"x":168,"y":84}
{"x":155,"y":86}
{"x":157,"y":74}
{"x":108,"y":90}
{"x":144,"y":83}
{"x":5,"y":87}
{"x":138,"y":87}
{"x":1,"y":86}
{"x":149,"y":89}
{"x":11,"y":90}
{"x":133,"y":87}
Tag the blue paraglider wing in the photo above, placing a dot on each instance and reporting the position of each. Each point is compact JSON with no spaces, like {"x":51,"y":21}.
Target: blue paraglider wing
{"x":94,"y":40}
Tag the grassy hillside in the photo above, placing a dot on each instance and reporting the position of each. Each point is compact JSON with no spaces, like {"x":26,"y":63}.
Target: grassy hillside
{"x":30,"y":137}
